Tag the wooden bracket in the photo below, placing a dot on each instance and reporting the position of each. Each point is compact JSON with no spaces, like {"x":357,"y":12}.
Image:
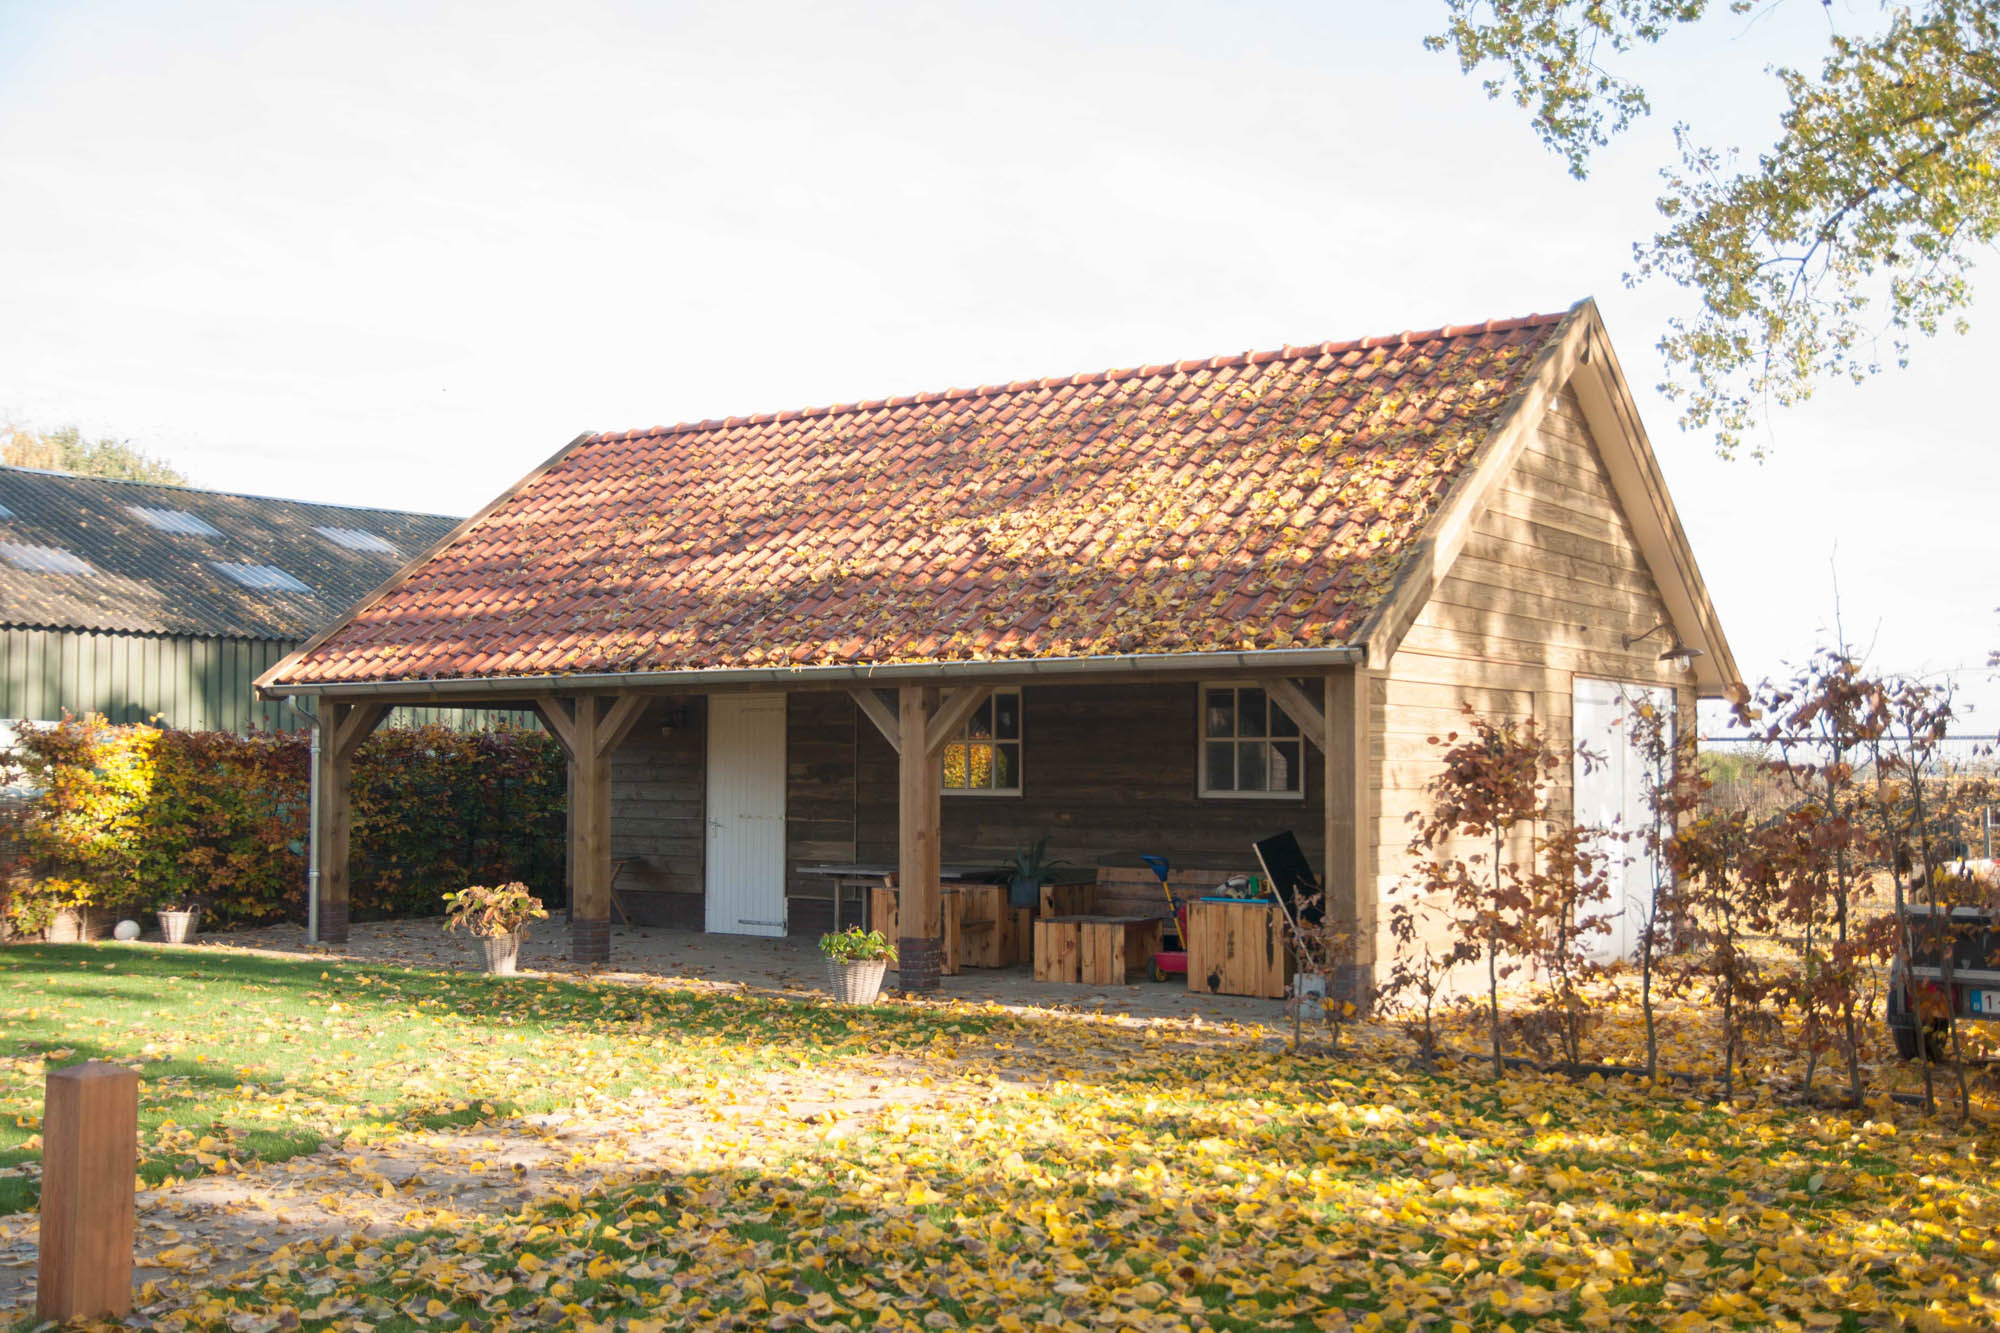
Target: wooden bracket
{"x":618,"y":721}
{"x":353,"y":724}
{"x":881,"y":715}
{"x":951,"y":714}
{"x":557,"y":716}
{"x":1299,"y":706}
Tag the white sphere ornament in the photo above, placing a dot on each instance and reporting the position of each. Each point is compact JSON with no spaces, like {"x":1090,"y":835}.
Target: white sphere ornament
{"x":125,"y":930}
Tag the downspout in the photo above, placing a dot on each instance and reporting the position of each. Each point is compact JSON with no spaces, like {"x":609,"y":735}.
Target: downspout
{"x":312,"y":822}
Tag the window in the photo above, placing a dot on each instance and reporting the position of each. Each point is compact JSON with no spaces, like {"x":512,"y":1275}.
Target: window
{"x":358,"y":539}
{"x":984,"y":758}
{"x":264,"y":578}
{"x":1249,"y":746}
{"x":178,"y":521}
{"x":44,"y":559}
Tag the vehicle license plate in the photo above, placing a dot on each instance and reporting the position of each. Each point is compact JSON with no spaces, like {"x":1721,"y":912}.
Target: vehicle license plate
{"x":1983,"y":1002}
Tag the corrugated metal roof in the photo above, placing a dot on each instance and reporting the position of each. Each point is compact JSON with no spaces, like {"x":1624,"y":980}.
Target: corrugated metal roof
{"x":147,"y":579}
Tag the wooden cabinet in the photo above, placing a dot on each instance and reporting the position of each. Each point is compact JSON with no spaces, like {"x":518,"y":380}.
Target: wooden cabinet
{"x":1236,"y":948}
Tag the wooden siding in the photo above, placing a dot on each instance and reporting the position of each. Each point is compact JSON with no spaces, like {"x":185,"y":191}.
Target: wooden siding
{"x":1547,"y":586}
{"x":658,"y":814}
{"x":191,"y":683}
{"x":1108,"y":772}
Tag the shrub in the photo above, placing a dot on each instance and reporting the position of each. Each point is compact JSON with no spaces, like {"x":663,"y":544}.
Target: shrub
{"x":143,"y":817}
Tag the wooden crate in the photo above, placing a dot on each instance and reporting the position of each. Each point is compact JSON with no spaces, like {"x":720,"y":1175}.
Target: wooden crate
{"x":1069,"y":899}
{"x":885,"y":914}
{"x":1095,"y":950}
{"x":1236,"y":949}
{"x":983,"y":938}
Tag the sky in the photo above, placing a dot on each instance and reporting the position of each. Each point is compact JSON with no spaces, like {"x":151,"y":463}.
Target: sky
{"x":396,"y":255}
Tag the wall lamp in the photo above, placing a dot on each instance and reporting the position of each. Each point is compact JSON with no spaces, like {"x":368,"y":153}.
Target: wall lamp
{"x":1680,"y":654}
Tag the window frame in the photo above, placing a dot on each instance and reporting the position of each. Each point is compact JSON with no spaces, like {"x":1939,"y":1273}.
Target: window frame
{"x":1236,"y":739}
{"x":963,"y":736}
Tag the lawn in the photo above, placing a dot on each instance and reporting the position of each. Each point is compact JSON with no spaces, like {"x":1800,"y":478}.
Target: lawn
{"x":248,"y":1058}
{"x":1069,"y":1173}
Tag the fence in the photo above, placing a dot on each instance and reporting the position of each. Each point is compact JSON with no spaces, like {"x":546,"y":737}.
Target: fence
{"x":1966,"y":770}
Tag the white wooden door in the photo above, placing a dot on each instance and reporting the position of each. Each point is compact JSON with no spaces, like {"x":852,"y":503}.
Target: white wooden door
{"x":1612,"y":795}
{"x":746,"y":814}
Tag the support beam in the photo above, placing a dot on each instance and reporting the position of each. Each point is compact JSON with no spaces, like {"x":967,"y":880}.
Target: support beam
{"x":342,"y":729}
{"x":956,"y":707}
{"x":1350,"y":848}
{"x":881,"y":715}
{"x":1300,"y":707}
{"x":590,"y":832}
{"x":920,"y":784}
{"x":618,"y":722}
{"x":560,"y":719}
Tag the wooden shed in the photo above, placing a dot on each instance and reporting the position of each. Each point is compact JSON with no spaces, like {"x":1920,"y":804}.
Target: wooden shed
{"x":1165,"y":609}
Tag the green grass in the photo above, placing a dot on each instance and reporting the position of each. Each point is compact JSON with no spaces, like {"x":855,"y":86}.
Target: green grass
{"x":249,"y":1058}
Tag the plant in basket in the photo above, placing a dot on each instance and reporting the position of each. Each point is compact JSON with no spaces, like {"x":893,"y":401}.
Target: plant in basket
{"x":856,"y":961}
{"x":498,"y":917}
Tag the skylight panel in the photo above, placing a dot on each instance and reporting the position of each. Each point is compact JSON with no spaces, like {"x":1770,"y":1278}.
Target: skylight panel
{"x":264,"y":578}
{"x":5,"y":512}
{"x":357,"y":539}
{"x":177,"y":521}
{"x":44,"y":559}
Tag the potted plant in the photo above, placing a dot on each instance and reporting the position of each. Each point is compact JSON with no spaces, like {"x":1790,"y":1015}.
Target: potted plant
{"x":1027,"y":871}
{"x":856,"y":959}
{"x":180,"y":915}
{"x":498,"y":917}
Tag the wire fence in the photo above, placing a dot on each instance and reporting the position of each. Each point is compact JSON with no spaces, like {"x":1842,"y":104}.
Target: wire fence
{"x":1965,"y":771}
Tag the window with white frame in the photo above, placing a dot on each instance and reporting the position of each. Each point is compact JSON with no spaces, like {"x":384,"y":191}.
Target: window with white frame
{"x":1249,"y":746}
{"x":984,"y":757}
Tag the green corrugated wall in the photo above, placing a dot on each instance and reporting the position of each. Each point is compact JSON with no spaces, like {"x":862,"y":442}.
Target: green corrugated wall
{"x":192,"y":683}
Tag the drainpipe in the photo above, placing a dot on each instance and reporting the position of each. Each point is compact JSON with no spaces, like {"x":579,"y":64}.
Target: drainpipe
{"x":312,"y":823}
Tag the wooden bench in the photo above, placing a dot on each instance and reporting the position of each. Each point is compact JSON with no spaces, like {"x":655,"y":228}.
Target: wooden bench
{"x":1095,"y":950}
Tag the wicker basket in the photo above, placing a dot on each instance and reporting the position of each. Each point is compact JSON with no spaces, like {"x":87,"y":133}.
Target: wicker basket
{"x":179,"y":927}
{"x":856,"y":983}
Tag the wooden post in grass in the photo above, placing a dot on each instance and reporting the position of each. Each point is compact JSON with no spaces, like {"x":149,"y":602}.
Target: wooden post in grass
{"x":90,"y":1152}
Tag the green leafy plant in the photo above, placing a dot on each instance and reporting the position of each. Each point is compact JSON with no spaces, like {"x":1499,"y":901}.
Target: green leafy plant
{"x":855,"y":945}
{"x":489,"y":912}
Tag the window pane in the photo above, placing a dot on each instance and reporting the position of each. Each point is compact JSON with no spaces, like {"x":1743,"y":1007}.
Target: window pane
{"x":1222,"y":712}
{"x":1250,"y":713}
{"x":1007,"y":767}
{"x":1281,"y":722}
{"x":1286,"y":774}
{"x":956,"y":773}
{"x":979,"y":766}
{"x":1221,"y":766}
{"x":1007,"y":714}
{"x":980,"y":726}
{"x":1250,"y":758}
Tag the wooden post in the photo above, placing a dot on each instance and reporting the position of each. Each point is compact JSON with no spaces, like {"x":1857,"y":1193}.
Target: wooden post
{"x":590,"y":733}
{"x":342,"y":729}
{"x":919,"y":799}
{"x":90,"y":1152}
{"x":1350,"y":851}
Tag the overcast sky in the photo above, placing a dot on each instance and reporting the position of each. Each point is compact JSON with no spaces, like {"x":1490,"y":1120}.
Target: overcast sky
{"x":396,"y":255}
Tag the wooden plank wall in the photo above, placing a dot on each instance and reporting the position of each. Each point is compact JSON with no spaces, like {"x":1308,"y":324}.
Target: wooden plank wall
{"x":1109,"y":772}
{"x":820,"y":730}
{"x":1546,"y":587}
{"x":658,"y":817}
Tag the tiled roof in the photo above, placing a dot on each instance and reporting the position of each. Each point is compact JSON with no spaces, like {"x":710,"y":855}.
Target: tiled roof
{"x":1252,"y":501}
{"x":149,"y":559}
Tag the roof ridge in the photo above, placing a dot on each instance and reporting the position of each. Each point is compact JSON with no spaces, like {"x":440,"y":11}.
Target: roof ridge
{"x":211,"y":490}
{"x":1110,"y":376}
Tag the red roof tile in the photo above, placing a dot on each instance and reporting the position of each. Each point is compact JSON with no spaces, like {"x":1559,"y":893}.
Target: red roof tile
{"x":1140,"y":510}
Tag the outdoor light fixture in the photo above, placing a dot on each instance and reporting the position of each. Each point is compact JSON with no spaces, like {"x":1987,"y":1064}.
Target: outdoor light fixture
{"x":1677,"y":652}
{"x":672,"y":720}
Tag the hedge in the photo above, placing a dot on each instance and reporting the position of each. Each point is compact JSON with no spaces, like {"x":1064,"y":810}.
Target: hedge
{"x":141,"y":817}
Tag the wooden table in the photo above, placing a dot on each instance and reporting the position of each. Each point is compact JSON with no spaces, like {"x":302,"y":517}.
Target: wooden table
{"x":1236,"y":947}
{"x":867,"y":875}
{"x":1095,"y":950}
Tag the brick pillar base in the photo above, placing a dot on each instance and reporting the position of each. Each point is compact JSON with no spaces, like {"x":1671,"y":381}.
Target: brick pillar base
{"x":1355,"y":984}
{"x":332,"y":922}
{"x":590,"y":941}
{"x":921,"y":963}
